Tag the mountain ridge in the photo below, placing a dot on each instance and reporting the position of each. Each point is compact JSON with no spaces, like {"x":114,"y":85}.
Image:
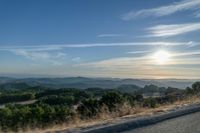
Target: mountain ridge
{"x":85,"y":82}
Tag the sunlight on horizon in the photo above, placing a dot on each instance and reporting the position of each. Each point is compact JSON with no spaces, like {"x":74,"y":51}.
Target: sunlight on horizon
{"x":161,"y":57}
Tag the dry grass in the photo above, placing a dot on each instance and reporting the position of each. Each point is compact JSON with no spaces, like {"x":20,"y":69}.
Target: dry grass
{"x":123,"y":113}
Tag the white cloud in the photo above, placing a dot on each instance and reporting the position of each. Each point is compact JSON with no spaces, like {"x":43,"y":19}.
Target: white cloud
{"x":197,"y":14}
{"x":32,"y":48}
{"x":110,"y":35}
{"x":38,"y":56}
{"x":61,"y":55}
{"x":172,"y":29}
{"x":192,"y":44}
{"x":184,"y":5}
{"x":138,"y":52}
{"x":76,"y":59}
{"x":187,"y":54}
{"x":32,"y":55}
{"x":178,"y":58}
{"x":145,"y":66}
{"x":56,"y":47}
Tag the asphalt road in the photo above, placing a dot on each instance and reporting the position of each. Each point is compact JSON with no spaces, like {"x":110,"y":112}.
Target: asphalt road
{"x":184,"y":124}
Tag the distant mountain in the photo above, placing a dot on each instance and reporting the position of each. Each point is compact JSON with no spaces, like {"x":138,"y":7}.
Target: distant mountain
{"x":133,"y":89}
{"x":83,"y":82}
{"x":152,"y":89}
{"x":129,"y":88}
{"x":177,"y":83}
{"x":14,"y":85}
{"x":5,"y":80}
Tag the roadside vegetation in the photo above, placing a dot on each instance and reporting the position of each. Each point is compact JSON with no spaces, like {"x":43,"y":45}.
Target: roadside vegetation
{"x":58,"y":106}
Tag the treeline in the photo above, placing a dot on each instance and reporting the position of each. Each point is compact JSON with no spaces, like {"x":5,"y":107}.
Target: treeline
{"x":194,"y":90}
{"x":32,"y":116}
{"x":9,"y":98}
{"x":20,"y":95}
{"x":64,"y":105}
{"x":60,"y":107}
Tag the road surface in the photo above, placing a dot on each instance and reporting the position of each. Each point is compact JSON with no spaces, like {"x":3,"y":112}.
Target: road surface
{"x":184,"y":124}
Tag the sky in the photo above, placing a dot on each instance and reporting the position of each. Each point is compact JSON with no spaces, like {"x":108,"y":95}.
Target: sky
{"x":100,"y":38}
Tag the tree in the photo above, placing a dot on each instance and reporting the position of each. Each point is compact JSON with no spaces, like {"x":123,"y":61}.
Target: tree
{"x":37,"y":113}
{"x":189,"y":90}
{"x":196,"y":87}
{"x":58,"y":100}
{"x":150,"y":102}
{"x":89,"y":108}
{"x":130,"y":99}
{"x":112,"y":100}
{"x":62,"y":113}
{"x":139,"y":98}
{"x":5,"y":118}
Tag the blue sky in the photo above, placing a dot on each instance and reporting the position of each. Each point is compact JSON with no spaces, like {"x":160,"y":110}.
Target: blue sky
{"x":100,"y":38}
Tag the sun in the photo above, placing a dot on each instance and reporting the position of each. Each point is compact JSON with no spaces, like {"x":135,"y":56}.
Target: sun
{"x":161,"y":57}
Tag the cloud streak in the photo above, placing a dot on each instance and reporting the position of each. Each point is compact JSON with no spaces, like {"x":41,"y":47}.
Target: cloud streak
{"x":172,"y":29}
{"x":184,"y":5}
{"x":138,"y":52}
{"x":141,"y":67}
{"x":144,"y":61}
{"x":110,"y":35}
{"x":54,"y":59}
{"x":63,"y":46}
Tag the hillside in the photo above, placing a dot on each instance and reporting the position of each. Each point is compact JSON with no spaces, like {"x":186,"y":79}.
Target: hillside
{"x":83,"y":82}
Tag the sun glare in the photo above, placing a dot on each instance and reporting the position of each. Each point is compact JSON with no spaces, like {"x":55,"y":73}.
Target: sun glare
{"x":161,"y":57}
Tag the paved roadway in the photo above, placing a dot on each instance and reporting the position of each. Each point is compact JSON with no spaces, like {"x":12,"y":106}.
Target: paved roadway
{"x":184,"y":124}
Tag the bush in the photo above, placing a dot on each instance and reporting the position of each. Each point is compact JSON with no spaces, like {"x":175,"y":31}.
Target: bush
{"x":89,"y":108}
{"x":58,"y":100}
{"x":196,"y":87}
{"x":112,"y":100}
{"x":8,"y":98}
{"x":130,"y":99}
{"x":150,"y":102}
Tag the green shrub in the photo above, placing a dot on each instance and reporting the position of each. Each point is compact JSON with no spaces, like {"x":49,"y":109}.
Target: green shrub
{"x":150,"y":102}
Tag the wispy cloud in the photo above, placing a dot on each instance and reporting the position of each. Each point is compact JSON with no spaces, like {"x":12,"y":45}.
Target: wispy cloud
{"x":138,"y":52}
{"x":192,"y":44}
{"x":110,"y":35}
{"x":61,"y":55}
{"x":188,"y":58}
{"x":76,"y":59}
{"x":57,"y":47}
{"x":30,"y":48}
{"x":184,"y":5}
{"x":172,"y":29}
{"x":145,"y":66}
{"x":54,"y":59}
{"x":32,"y":55}
{"x":187,"y":54}
{"x":197,"y":14}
